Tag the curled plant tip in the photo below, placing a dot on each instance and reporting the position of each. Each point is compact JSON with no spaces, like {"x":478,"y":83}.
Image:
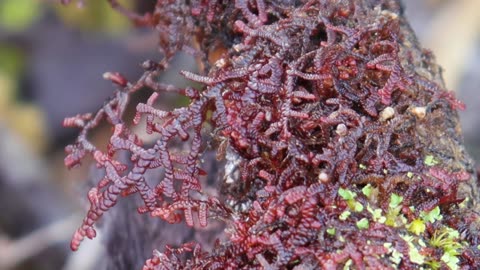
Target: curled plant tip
{"x":116,"y":78}
{"x":77,"y":121}
{"x":150,"y":65}
{"x":74,"y":156}
{"x":76,"y":240}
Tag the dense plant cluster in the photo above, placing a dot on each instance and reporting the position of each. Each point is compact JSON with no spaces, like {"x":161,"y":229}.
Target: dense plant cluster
{"x":316,"y":114}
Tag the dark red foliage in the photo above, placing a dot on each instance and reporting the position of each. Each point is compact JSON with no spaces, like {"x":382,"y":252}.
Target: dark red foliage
{"x":308,"y":97}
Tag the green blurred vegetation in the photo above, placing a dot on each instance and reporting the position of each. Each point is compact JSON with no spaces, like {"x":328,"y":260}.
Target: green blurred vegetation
{"x":18,"y":16}
{"x":24,"y":119}
{"x":95,"y":15}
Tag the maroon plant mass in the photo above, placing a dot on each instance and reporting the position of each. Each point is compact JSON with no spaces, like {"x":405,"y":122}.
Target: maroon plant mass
{"x":320,"y":109}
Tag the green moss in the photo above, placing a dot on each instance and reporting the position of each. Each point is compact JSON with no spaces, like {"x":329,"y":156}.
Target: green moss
{"x":395,"y":256}
{"x":434,"y":265}
{"x":417,"y":226}
{"x":362,"y":224}
{"x":346,"y":194}
{"x":464,"y":203}
{"x":348,"y":264}
{"x":357,"y":207}
{"x":450,"y":258}
{"x":370,"y":192}
{"x":413,"y":253}
{"x":367,"y":190}
{"x":430,"y":161}
{"x":431,"y":216}
{"x":350,"y":196}
{"x":376,"y":214}
{"x":447,"y":239}
{"x":395,"y":200}
{"x":343,"y":216}
{"x":393,"y":216}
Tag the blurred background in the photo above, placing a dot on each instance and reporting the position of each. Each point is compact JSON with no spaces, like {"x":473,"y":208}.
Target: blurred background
{"x":52,"y":58}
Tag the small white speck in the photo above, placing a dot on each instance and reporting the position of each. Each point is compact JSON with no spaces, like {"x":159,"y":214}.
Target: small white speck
{"x":387,"y":113}
{"x":419,"y":112}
